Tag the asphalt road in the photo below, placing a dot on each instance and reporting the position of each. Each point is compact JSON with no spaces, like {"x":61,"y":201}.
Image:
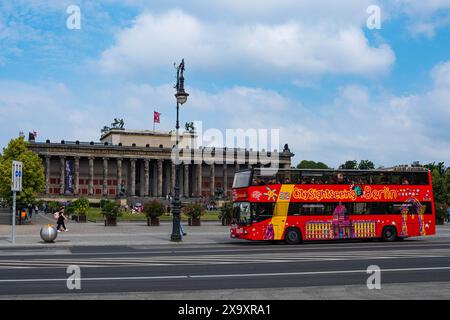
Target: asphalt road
{"x":235,"y":265}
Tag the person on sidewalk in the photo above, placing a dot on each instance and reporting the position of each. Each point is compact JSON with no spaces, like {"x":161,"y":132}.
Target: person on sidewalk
{"x":60,"y":221}
{"x":182,"y":230}
{"x":448,"y":213}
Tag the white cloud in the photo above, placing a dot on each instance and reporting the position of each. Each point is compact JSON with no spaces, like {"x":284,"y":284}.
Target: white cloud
{"x":425,"y":17}
{"x":291,"y":47}
{"x":355,"y":124}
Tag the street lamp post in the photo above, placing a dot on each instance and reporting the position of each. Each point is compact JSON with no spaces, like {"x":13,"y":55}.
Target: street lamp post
{"x":181,"y":97}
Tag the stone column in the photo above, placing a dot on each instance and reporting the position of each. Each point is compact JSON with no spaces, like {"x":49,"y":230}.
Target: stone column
{"x":146,"y":177}
{"x":105,"y":177}
{"x":160,"y":176}
{"x":238,"y":167}
{"x":119,"y":175}
{"x":133,"y":177}
{"x":199,"y":180}
{"x":172,"y":179}
{"x":91,"y":176}
{"x":225,"y":179}
{"x":76,"y":189}
{"x":62,"y":177}
{"x":212,"y":186}
{"x":166,"y":177}
{"x":186,"y":181}
{"x":47,"y":174}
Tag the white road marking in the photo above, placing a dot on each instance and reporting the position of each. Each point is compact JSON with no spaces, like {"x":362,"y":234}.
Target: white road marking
{"x":276,"y":274}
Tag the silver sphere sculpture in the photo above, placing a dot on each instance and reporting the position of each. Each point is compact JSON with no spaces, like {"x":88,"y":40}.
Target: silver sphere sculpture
{"x":48,"y":233}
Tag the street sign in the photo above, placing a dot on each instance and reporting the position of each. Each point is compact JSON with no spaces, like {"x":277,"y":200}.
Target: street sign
{"x":16,"y":182}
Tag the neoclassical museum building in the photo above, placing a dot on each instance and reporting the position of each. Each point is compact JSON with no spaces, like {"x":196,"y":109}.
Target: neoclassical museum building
{"x":138,"y":164}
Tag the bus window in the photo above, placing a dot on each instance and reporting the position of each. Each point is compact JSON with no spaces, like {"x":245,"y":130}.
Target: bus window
{"x":377,"y":208}
{"x":242,"y":179}
{"x":262,"y":211}
{"x":360,"y":208}
{"x":313,"y":209}
{"x":241,"y":213}
{"x":418,"y":178}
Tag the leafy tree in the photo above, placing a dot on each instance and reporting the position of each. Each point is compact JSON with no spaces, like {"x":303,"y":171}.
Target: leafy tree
{"x":440,"y":167}
{"x":309,"y":164}
{"x":350,"y":164}
{"x":366,"y":165}
{"x":33,"y":178}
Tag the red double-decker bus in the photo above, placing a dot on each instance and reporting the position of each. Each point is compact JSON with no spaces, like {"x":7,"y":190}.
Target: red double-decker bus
{"x":295,"y":204}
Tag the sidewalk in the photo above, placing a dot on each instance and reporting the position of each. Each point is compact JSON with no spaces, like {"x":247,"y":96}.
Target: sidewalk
{"x":129,"y":233}
{"x":125,"y":233}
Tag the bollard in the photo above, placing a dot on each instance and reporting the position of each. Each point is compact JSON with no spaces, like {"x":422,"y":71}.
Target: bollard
{"x":49,"y":233}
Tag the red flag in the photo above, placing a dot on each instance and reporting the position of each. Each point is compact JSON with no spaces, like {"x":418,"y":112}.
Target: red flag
{"x":156,"y":117}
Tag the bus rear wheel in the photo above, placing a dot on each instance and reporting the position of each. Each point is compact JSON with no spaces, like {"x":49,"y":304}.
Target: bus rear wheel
{"x":293,"y":236}
{"x":389,"y":234}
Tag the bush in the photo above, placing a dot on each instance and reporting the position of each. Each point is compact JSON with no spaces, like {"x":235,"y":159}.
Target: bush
{"x":103,"y":202}
{"x":226,"y":211}
{"x":53,"y":206}
{"x":110,"y":209}
{"x":154,"y":209}
{"x":69,"y":209}
{"x":81,"y":206}
{"x":193,"y":210}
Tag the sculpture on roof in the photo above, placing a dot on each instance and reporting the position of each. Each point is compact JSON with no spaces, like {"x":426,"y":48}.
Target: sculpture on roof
{"x":117,"y":124}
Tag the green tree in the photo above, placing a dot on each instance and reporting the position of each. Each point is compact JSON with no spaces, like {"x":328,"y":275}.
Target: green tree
{"x":366,"y":165}
{"x":309,"y":164}
{"x":33,"y":179}
{"x":350,"y":164}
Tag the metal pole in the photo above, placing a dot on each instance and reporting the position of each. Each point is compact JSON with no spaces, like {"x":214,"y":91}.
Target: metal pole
{"x":13,"y":233}
{"x":176,"y":203}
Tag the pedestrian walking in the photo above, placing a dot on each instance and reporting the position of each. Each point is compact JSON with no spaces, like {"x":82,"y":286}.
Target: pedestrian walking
{"x":30,"y":211}
{"x":182,"y":230}
{"x":60,"y":222}
{"x":448,"y":212}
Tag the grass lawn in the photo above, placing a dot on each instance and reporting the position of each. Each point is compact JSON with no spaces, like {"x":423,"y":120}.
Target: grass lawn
{"x":95,"y":214}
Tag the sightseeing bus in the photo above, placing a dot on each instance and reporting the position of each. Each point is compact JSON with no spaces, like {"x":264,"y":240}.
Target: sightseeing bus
{"x":294,"y":205}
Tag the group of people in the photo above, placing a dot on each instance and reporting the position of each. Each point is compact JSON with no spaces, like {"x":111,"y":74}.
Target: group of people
{"x":338,"y":179}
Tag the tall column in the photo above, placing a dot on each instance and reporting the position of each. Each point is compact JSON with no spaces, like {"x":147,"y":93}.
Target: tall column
{"x":146,"y":177}
{"x":225,"y":179}
{"x":91,"y":175}
{"x":238,"y":167}
{"x":212,"y":186}
{"x":199,"y":180}
{"x":166,"y":178}
{"x":172,"y":178}
{"x":62,"y":177}
{"x":133,"y":177}
{"x":186,"y":181}
{"x":47,"y":174}
{"x":105,"y":177}
{"x":119,"y":175}
{"x":160,"y":176}
{"x":76,"y":189}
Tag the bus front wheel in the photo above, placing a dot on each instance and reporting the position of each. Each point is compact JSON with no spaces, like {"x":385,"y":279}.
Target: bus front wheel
{"x":389,"y":234}
{"x":293,"y":236}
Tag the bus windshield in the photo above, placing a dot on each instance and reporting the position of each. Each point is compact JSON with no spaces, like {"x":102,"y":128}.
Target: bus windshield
{"x":241,"y":213}
{"x":242,"y":179}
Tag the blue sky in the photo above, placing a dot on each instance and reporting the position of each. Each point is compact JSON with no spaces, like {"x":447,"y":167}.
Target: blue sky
{"x":336,"y":89}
